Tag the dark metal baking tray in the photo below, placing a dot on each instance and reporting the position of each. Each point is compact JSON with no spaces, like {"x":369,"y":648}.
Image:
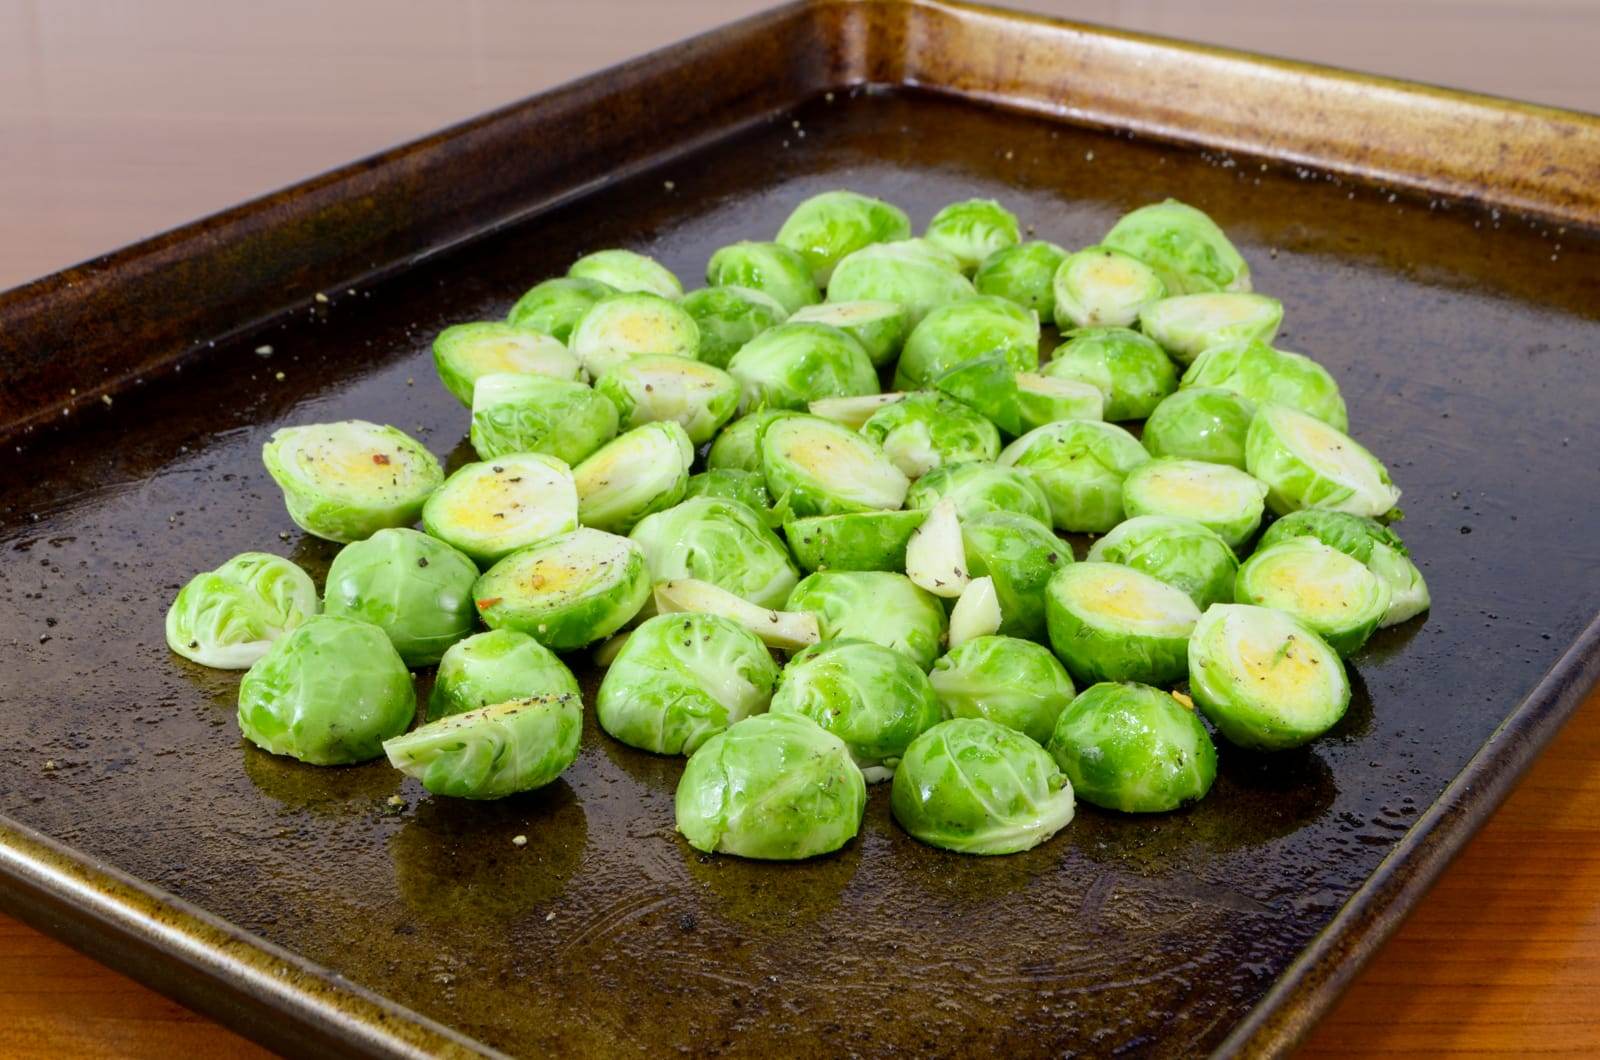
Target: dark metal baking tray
{"x":1438,"y":251}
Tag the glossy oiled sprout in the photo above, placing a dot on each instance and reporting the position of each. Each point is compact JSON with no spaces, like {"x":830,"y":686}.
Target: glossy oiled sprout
{"x":555,"y":306}
{"x":1024,"y":274}
{"x":1369,"y":541}
{"x":346,"y":481}
{"x":1114,"y":623}
{"x":873,"y":698}
{"x":229,"y":617}
{"x":1218,"y":497}
{"x":644,"y":470}
{"x":1270,"y":377}
{"x":534,"y":414}
{"x":1130,"y":371}
{"x":496,"y":667}
{"x":927,"y":430}
{"x":1183,"y":245}
{"x":954,"y":334}
{"x":880,"y":327}
{"x":1333,"y":593}
{"x":976,"y":787}
{"x":935,"y":560}
{"x":650,"y":389}
{"x":328,"y":692}
{"x":632,"y":325}
{"x":489,"y":510}
{"x":1104,"y":287}
{"x":792,"y":364}
{"x":464,"y":352}
{"x":824,"y":468}
{"x":627,"y":272}
{"x":826,"y":227}
{"x":415,"y":588}
{"x":978,"y":488}
{"x":681,"y":679}
{"x":1133,"y":748}
{"x":1201,"y":423}
{"x":722,"y":542}
{"x":725,"y":483}
{"x":988,"y":386}
{"x":912,"y":273}
{"x":1006,"y":680}
{"x":1307,"y":464}
{"x":773,"y":787}
{"x":973,"y":230}
{"x":738,"y":446}
{"x":1189,"y":324}
{"x":566,"y":592}
{"x":976,"y":613}
{"x":854,"y":541}
{"x":879,"y":606}
{"x":1264,"y":678}
{"x":1180,"y":552}
{"x":771,"y":268}
{"x":494,"y":751}
{"x":853,"y":412}
{"x":1042,"y":399}
{"x":1080,"y":466}
{"x":729,"y":317}
{"x":784,"y":630}
{"x":1019,"y":554}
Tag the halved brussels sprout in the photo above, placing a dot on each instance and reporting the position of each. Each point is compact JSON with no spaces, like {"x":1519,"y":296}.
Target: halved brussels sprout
{"x":738,"y":446}
{"x":1264,"y":678}
{"x":976,"y":787}
{"x":774,"y":787}
{"x":880,"y":606}
{"x":1080,"y":466}
{"x":1178,"y":551}
{"x":976,"y":613}
{"x":873,"y":698}
{"x":1006,"y":680}
{"x":1367,"y":540}
{"x":229,"y":617}
{"x":1113,"y":623}
{"x":927,"y":430}
{"x":328,"y":692}
{"x":827,"y":227}
{"x":854,"y":541}
{"x":496,"y":667}
{"x":345,"y":481}
{"x":489,"y":510}
{"x":1333,"y":593}
{"x":786,"y":366}
{"x":1024,"y":274}
{"x":912,"y":273}
{"x":652,"y":389}
{"x":1183,"y":245}
{"x":681,"y":679}
{"x":644,"y":470}
{"x":825,"y":468}
{"x":1270,"y":377}
{"x":1104,"y":287}
{"x":972,"y":230}
{"x":935,"y":558}
{"x":718,"y":541}
{"x":494,"y":751}
{"x":980,"y":488}
{"x":1201,"y":423}
{"x":952,"y":335}
{"x":771,"y":268}
{"x":1307,"y":464}
{"x":1044,"y":399}
{"x":729,"y":317}
{"x":415,"y":588}
{"x":725,"y":483}
{"x":1218,"y":497}
{"x":1133,"y":748}
{"x":853,"y":412}
{"x":784,"y":630}
{"x":555,"y":306}
{"x":464,"y":352}
{"x":568,"y":591}
{"x":534,"y":414}
{"x":1189,"y":324}
{"x":628,"y":272}
{"x":621,"y":326}
{"x":880,"y":327}
{"x":1020,"y":554}
{"x":1131,"y":371}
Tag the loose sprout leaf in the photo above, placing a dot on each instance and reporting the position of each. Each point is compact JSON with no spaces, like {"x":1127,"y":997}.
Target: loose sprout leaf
{"x":495,"y":751}
{"x":936,"y":559}
{"x":853,"y":411}
{"x":786,"y":630}
{"x":855,"y":541}
{"x":976,"y":614}
{"x":229,"y":617}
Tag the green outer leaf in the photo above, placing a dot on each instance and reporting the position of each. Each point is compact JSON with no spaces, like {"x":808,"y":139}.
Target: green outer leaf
{"x":827,"y":227}
{"x":566,"y":592}
{"x":1013,"y":682}
{"x":1097,"y":646}
{"x":1178,"y":551}
{"x":873,"y":698}
{"x":1183,"y":245}
{"x":880,"y":606}
{"x":1023,"y":274}
{"x":791,"y":365}
{"x":853,"y":541}
{"x":299,"y":459}
{"x":722,"y":542}
{"x":229,"y":617}
{"x":953,"y":334}
{"x":771,"y":268}
{"x":729,"y":317}
{"x":988,"y":386}
{"x":1269,"y":376}
{"x":1133,"y":748}
{"x":556,"y":305}
{"x":493,"y":751}
{"x":495,"y":667}
{"x":978,"y":488}
{"x":1201,"y":423}
{"x":1131,"y":371}
{"x":1080,"y":465}
{"x":1021,"y":554}
{"x":533,"y":414}
{"x":415,"y":588}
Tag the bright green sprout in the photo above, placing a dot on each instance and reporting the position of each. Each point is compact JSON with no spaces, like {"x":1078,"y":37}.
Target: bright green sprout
{"x":1366,"y":540}
{"x":725,"y":483}
{"x":738,"y":445}
{"x":880,"y":327}
{"x":496,"y":667}
{"x":568,"y":591}
{"x":771,"y":268}
{"x":535,"y":414}
{"x":987,"y":385}
{"x":495,"y":751}
{"x":824,"y":468}
{"x":1270,"y":377}
{"x":1184,"y":246}
{"x":633,"y":325}
{"x":1020,"y":554}
{"x":644,"y":470}
{"x":464,"y":352}
{"x":1104,"y":287}
{"x":952,"y":335}
{"x":345,"y":481}
{"x":1006,"y":680}
{"x":556,"y":305}
{"x":1333,"y":593}
{"x":1080,"y":465}
{"x":792,"y":364}
{"x":1190,"y":324}
{"x":1178,"y":551}
{"x":880,"y":606}
{"x":927,"y":430}
{"x":1024,"y":274}
{"x":489,"y":510}
{"x":229,"y":617}
{"x":1114,"y":623}
{"x":651,"y":389}
{"x":973,"y":230}
{"x":1133,"y":748}
{"x":729,"y":317}
{"x":415,"y":588}
{"x":1131,"y":371}
{"x":912,"y":273}
{"x":1201,"y":423}
{"x":827,"y":227}
{"x":628,"y":272}
{"x":1307,"y":464}
{"x":854,"y":541}
{"x":722,"y":542}
{"x":1218,"y":497}
{"x":978,"y":488}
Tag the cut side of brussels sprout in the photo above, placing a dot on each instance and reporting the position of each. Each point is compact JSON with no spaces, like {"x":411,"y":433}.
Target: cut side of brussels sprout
{"x":566,"y":592}
{"x":749,"y":488}
{"x":853,"y":412}
{"x":880,"y":327}
{"x":792,"y":364}
{"x":627,"y":272}
{"x":824,"y":468}
{"x":827,"y":227}
{"x":1104,"y":287}
{"x":345,"y":481}
{"x":1009,"y":681}
{"x":1189,"y":324}
{"x":976,"y":614}
{"x":1307,"y":464}
{"x":855,"y":541}
{"x":1024,"y":274}
{"x":555,"y":306}
{"x":415,"y":588}
{"x":912,"y":273}
{"x":1133,"y":748}
{"x":489,"y":510}
{"x":1042,"y":399}
{"x":784,"y":630}
{"x":464,"y":352}
{"x":495,"y":667}
{"x":1201,"y":423}
{"x":652,"y":389}
{"x":1183,"y":245}
{"x":1080,"y":466}
{"x":936,"y":558}
{"x":1333,"y":593}
{"x":954,"y":334}
{"x":1221,"y":498}
{"x":1270,"y":377}
{"x":722,"y":542}
{"x":228,"y":618}
{"x":633,"y":325}
{"x":771,"y":268}
{"x":738,"y":446}
{"x":1132,"y":373}
{"x":493,"y":751}
{"x":978,"y":489}
{"x":535,"y":414}
{"x":644,"y":470}
{"x":1020,"y":554}
{"x":1113,"y":623}
{"x":928,"y":429}
{"x":1178,"y":551}
{"x":729,"y":317}
{"x":1368,"y":541}
{"x":973,"y":230}
{"x":880,"y":606}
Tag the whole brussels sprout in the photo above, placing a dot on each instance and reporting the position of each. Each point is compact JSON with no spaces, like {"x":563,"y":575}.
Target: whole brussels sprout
{"x":1308,"y":464}
{"x":1183,"y":245}
{"x":729,"y":317}
{"x":977,"y":488}
{"x":1367,"y":540}
{"x":1104,"y":287}
{"x":229,"y":617}
{"x":346,"y":481}
{"x":1020,"y":554}
{"x":556,"y":305}
{"x":489,"y":510}
{"x":771,"y":268}
{"x":787,"y":366}
{"x":1044,"y":399}
{"x":1218,"y":497}
{"x":854,"y":541}
{"x":1333,"y":593}
{"x":827,"y":227}
{"x":824,"y":468}
{"x":976,"y":787}
{"x":1007,"y":680}
{"x":494,"y":751}
{"x":1080,"y":465}
{"x":496,"y":667}
{"x":1024,"y":274}
{"x":1268,"y":376}
{"x":464,"y":352}
{"x":682,"y":678}
{"x":912,"y":273}
{"x":328,"y":692}
{"x":954,"y":334}
{"x":927,"y":429}
{"x":621,"y":326}
{"x":774,"y":787}
{"x":1178,"y":551}
{"x":1189,"y":324}
{"x":644,"y":470}
{"x":972,"y":230}
{"x":1114,"y":623}
{"x":1131,"y":371}
{"x":880,"y":327}
{"x":534,"y":414}
{"x":415,"y":588}
{"x":725,"y":483}
{"x":738,"y":447}
{"x":1201,"y":423}
{"x":1133,"y":748}
{"x":568,"y":591}
{"x":652,"y":389}
{"x":628,"y":272}
{"x":880,"y":606}
{"x":721,"y":542}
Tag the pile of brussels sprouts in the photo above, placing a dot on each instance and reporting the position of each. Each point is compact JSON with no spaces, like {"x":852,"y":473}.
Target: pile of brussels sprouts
{"x":806,"y":581}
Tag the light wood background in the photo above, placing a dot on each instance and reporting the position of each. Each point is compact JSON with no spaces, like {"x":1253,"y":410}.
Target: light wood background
{"x":118,"y":120}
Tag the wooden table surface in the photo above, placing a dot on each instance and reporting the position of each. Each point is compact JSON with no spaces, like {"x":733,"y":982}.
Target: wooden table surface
{"x":119,"y":120}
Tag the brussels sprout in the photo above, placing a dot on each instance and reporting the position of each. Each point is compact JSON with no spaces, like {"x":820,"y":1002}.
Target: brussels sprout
{"x":827,"y":227}
{"x":935,"y":559}
{"x":415,"y":588}
{"x":653,"y":389}
{"x":1043,"y":399}
{"x":973,"y":230}
{"x":1131,"y":371}
{"x":721,"y":542}
{"x":980,"y":488}
{"x":738,"y":447}
{"x":1218,"y":497}
{"x":568,"y":591}
{"x":880,"y":327}
{"x":1201,"y":423}
{"x":988,"y":386}
{"x":927,"y":429}
{"x":976,"y":613}
{"x":785,"y":630}
{"x":1021,"y":554}
{"x":729,"y":317}
{"x":1308,"y":464}
{"x":1178,"y":551}
{"x":825,"y":468}
{"x":1024,"y":274}
{"x":854,"y":541}
{"x":493,"y":751}
{"x":976,"y":787}
{"x":1006,"y":680}
{"x":724,"y":483}
{"x":628,"y":272}
{"x":853,"y":412}
{"x":1183,"y":245}
{"x":1189,"y":324}
{"x":621,"y":326}
{"x":464,"y":352}
{"x":345,"y":481}
{"x":873,"y":698}
{"x":1366,"y":540}
{"x":1264,"y":678}
{"x":786,"y":366}
{"x":328,"y":692}
{"x":1133,"y":748}
{"x":1333,"y":593}
{"x":533,"y":414}
{"x":954,"y":334}
{"x":1114,"y":623}
{"x":491,"y":509}
{"x":681,"y":679}
{"x":912,"y":273}
{"x":496,"y":667}
{"x":1269,"y":376}
{"x":880,"y":606}
{"x":644,"y":470}
{"x":1080,"y":465}
{"x":555,"y":306}
{"x":1104,"y":287}
{"x":229,"y":617}
{"x":771,"y":268}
